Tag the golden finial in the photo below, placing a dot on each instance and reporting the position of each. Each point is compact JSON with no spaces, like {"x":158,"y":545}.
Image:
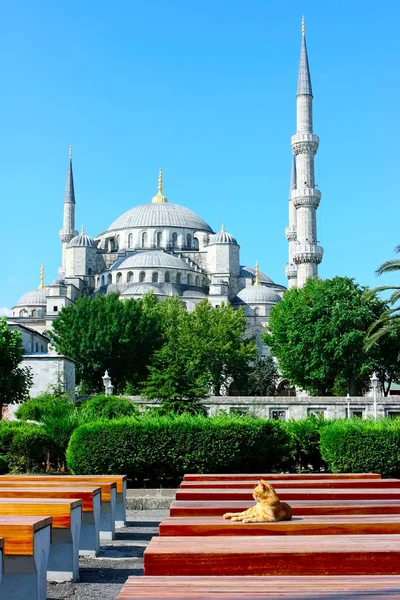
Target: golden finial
{"x":159,"y":198}
{"x":303,"y":25}
{"x":41,"y":286}
{"x":83,"y":230}
{"x":70,"y":151}
{"x":257,"y":274}
{"x":223,"y":227}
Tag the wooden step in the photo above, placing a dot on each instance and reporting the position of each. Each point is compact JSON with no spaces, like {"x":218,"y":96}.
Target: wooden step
{"x":216,"y":508}
{"x":359,"y":587}
{"x":285,"y":476}
{"x":285,"y":484}
{"x":274,"y":555}
{"x":59,"y":509}
{"x":292,"y":494}
{"x":299,"y":525}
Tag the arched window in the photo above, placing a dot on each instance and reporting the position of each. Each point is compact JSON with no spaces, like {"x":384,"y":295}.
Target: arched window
{"x":179,"y":278}
{"x":102,"y":280}
{"x":189,"y":279}
{"x":142,"y":276}
{"x":34,"y":313}
{"x":130,"y":240}
{"x":109,"y":278}
{"x":204,"y":282}
{"x":189,"y":240}
{"x":119,"y":277}
{"x":21,"y":313}
{"x":197,"y":281}
{"x":144,"y":239}
{"x":89,"y":271}
{"x":196,"y":243}
{"x":159,"y":239}
{"x":154,"y":277}
{"x":129,"y":277}
{"x":98,"y":281}
{"x":174,"y":239}
{"x":167,"y":277}
{"x":37,"y":347}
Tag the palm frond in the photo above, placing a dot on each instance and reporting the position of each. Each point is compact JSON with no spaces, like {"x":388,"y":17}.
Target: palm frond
{"x":388,"y":266}
{"x":395,"y":297}
{"x":372,"y":339}
{"x":397,"y":249}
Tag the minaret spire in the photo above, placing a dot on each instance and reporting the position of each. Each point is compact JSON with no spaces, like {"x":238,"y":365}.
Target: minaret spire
{"x":68,"y":231}
{"x":257,"y":275}
{"x":304,"y":252}
{"x":159,"y":198}
{"x":41,"y":286}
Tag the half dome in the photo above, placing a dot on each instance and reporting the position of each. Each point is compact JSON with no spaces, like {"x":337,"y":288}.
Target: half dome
{"x":152,"y":260}
{"x":160,"y":215}
{"x":251,"y":272}
{"x":258,"y":294}
{"x":33,"y":298}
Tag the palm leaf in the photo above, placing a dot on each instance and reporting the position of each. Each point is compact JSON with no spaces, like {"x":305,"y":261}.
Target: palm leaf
{"x":388,"y":266}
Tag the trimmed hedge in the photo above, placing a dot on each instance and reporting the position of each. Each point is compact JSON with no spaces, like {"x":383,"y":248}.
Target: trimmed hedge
{"x":24,"y":447}
{"x":107,"y":407}
{"x":166,"y":447}
{"x":362,"y":446}
{"x":305,"y":443}
{"x":35,"y":409}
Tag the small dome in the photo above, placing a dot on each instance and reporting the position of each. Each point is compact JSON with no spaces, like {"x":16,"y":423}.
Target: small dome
{"x":251,"y":272}
{"x":150,"y":260}
{"x":82,"y":240}
{"x":222,"y":237}
{"x":33,"y":298}
{"x":258,"y":294}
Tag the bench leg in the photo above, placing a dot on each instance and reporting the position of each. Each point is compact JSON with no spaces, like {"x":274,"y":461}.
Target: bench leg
{"x":24,"y":577}
{"x":64,"y":551}
{"x":89,"y":543}
{"x":107,"y":518}
{"x":120,"y":509}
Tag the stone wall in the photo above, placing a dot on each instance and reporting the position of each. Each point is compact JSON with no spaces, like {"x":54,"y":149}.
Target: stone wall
{"x":49,"y":372}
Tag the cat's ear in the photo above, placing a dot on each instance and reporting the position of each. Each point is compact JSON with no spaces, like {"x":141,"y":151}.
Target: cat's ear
{"x":263,"y":484}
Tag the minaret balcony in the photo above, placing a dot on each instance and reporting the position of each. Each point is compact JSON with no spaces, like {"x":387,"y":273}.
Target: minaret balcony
{"x":67,"y":235}
{"x":307,"y":253}
{"x":291,"y":234}
{"x":306,"y":196}
{"x":291,"y":272}
{"x":304,"y":143}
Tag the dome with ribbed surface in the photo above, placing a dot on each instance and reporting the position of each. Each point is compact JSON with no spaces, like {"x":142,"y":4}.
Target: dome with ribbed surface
{"x":160,"y":215}
{"x":151,"y":260}
{"x":258,"y":294}
{"x":139,"y":289}
{"x":82,"y":240}
{"x":33,"y":298}
{"x":222,"y":237}
{"x":251,"y":272}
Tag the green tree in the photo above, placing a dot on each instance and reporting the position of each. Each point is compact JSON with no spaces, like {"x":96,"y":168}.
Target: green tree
{"x":15,"y":381}
{"x":318,"y":332}
{"x":386,"y":353}
{"x":262,"y":378}
{"x":105,"y":333}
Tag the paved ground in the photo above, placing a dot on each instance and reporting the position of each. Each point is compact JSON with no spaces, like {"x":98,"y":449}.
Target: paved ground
{"x":103,"y":576}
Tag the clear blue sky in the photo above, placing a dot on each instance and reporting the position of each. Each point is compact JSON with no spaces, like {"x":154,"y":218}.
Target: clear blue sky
{"x":207,"y":91}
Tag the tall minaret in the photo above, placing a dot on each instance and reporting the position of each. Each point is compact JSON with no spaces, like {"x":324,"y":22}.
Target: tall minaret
{"x":291,"y":236}
{"x":68,"y":231}
{"x":305,"y":197}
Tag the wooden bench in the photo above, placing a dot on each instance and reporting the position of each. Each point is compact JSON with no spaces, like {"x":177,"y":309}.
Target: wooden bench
{"x":292,"y":494}
{"x":206,"y":508}
{"x":281,"y":484}
{"x":274,"y":555}
{"x":299,"y":525}
{"x":357,"y":587}
{"x":89,"y":542}
{"x":63,"y":562}
{"x":276,"y":476}
{"x":108,"y":497}
{"x":26,"y":552}
{"x":119,"y":480}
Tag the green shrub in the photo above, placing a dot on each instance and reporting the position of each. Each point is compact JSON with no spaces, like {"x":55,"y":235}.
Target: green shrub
{"x":29,"y":450}
{"x":3,"y":464}
{"x":107,"y":407}
{"x":305,"y":441}
{"x":164,"y":447}
{"x":362,"y":446}
{"x":36,"y":408}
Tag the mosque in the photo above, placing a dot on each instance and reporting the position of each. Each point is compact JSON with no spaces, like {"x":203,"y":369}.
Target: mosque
{"x":167,"y":249}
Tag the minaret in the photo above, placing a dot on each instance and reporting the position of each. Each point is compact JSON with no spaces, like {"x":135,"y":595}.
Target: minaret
{"x":68,"y":231}
{"x":305,"y":198}
{"x":291,"y":269}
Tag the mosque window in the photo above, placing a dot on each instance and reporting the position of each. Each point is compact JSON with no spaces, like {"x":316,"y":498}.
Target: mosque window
{"x":21,"y":313}
{"x":167,"y":277}
{"x":144,"y":239}
{"x":34,"y":313}
{"x":174,"y":239}
{"x":179,"y":278}
{"x":189,"y":240}
{"x":129,"y":277}
{"x":130,"y":240}
{"x":256,"y":311}
{"x":197,"y":280}
{"x":154,"y":278}
{"x":109,"y":278}
{"x":159,"y":238}
{"x":55,"y":308}
{"x":119,"y":277}
{"x":37,"y":347}
{"x":196,"y":243}
{"x":189,"y":279}
{"x":89,"y":271}
{"x":98,"y":281}
{"x":142,"y":276}
{"x":41,"y":348}
{"x":102,"y":280}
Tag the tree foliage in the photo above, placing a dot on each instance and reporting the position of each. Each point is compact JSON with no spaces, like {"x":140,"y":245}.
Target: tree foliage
{"x":15,"y":381}
{"x":262,"y":378}
{"x":104,"y":333}
{"x":318,"y":333}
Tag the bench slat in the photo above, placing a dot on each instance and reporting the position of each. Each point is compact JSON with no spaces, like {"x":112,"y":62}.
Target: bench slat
{"x":29,"y":482}
{"x":70,"y":479}
{"x":85,"y":494}
{"x":292,"y":494}
{"x":288,"y":484}
{"x":18,"y":533}
{"x":58,"y":509}
{"x":276,"y":476}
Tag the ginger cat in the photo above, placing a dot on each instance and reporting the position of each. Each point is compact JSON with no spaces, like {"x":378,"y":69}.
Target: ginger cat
{"x":268,"y":508}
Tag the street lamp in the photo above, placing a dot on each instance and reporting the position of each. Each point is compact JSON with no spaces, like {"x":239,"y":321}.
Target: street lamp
{"x":374,"y":382}
{"x":107,"y":384}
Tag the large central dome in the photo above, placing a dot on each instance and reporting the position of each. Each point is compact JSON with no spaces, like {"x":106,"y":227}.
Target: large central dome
{"x":160,"y":215}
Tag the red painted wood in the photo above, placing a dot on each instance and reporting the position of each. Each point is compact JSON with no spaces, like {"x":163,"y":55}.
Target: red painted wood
{"x":292,"y":494}
{"x":274,"y":555}
{"x":299,"y":525}
{"x":285,"y":484}
{"x":285,"y":476}
{"x":85,"y":494}
{"x":299,"y":507}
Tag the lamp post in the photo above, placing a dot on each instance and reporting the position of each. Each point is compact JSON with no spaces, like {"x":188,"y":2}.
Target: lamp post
{"x":374,"y":382}
{"x":107,"y":384}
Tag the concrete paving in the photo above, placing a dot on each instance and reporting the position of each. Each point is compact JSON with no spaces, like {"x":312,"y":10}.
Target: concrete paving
{"x":103,"y":576}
